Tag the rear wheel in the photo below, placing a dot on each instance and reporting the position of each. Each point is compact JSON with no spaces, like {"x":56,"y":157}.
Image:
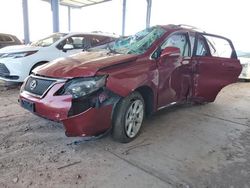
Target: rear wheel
{"x":128,"y":118}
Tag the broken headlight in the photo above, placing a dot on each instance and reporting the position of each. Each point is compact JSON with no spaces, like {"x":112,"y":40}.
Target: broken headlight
{"x":80,"y":87}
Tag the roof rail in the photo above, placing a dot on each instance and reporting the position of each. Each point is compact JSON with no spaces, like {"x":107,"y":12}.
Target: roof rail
{"x":191,"y":27}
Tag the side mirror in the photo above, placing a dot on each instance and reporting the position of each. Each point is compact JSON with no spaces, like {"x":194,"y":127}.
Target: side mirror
{"x":67,"y":47}
{"x":171,"y":52}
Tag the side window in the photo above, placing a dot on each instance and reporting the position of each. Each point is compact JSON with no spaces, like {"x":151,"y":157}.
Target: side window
{"x":86,"y":43}
{"x":78,"y":42}
{"x":5,"y":38}
{"x":95,"y":41}
{"x":99,"y":40}
{"x":179,"y":41}
{"x":201,"y":49}
{"x":8,"y":39}
{"x":219,"y":47}
{"x":192,"y":40}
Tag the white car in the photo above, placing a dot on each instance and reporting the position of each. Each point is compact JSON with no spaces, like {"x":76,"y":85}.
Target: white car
{"x":17,"y":62}
{"x":245,"y":62}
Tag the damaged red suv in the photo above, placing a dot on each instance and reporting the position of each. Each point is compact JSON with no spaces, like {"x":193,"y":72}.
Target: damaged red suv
{"x":117,"y":85}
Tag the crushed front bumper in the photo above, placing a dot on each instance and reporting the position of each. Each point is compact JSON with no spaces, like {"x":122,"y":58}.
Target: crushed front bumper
{"x":78,"y":118}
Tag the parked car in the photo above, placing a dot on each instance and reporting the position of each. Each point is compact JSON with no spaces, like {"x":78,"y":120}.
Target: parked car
{"x":8,"y":40}
{"x":17,"y":62}
{"x":245,"y":62}
{"x":118,"y":86}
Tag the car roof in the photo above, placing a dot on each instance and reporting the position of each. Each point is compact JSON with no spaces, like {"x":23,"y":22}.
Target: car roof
{"x":182,"y":27}
{"x":7,"y":34}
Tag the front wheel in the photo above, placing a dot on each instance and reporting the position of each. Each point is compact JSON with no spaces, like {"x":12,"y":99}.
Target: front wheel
{"x":128,"y":117}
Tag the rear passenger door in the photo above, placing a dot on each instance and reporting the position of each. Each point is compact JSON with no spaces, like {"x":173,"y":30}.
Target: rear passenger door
{"x":215,"y":66}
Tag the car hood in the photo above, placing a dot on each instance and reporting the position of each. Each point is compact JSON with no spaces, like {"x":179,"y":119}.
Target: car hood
{"x":18,"y":48}
{"x":83,"y":64}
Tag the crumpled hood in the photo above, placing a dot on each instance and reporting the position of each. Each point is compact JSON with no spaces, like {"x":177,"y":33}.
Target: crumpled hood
{"x":83,"y":64}
{"x":18,"y":48}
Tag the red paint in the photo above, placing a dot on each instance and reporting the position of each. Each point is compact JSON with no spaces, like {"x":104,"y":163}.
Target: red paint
{"x":91,"y":122}
{"x":81,"y":64}
{"x":170,"y":78}
{"x":212,"y":74}
{"x":50,"y":107}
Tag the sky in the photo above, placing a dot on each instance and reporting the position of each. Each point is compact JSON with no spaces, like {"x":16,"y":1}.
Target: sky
{"x":224,"y":17}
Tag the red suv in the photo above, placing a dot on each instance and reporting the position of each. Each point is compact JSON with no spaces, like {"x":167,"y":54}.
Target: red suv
{"x":116,"y":86}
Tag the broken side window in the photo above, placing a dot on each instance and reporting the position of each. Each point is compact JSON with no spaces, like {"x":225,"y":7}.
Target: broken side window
{"x":178,"y":40}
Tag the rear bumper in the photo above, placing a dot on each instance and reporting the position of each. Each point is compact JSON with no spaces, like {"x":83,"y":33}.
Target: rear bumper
{"x":89,"y":122}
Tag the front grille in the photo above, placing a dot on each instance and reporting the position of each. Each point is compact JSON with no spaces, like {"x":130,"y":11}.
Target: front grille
{"x":4,"y":70}
{"x":37,"y":86}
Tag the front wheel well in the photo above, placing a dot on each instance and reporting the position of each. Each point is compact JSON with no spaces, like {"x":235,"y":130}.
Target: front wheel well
{"x":148,"y":97}
{"x":37,"y":64}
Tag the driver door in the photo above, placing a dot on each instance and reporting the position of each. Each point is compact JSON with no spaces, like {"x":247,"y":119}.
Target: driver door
{"x":174,"y":71}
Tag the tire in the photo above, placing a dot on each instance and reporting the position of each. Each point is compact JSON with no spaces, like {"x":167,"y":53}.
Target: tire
{"x":128,"y":117}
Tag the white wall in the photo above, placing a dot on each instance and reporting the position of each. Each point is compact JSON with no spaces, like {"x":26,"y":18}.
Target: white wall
{"x":226,"y":17}
{"x":11,"y":20}
{"x":229,"y":18}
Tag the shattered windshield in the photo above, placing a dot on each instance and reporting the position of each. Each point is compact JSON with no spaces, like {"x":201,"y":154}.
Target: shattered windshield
{"x":138,"y":43}
{"x":49,"y":40}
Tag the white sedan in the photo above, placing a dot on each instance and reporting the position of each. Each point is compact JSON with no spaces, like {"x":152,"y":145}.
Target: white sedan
{"x":17,"y":62}
{"x":245,"y":62}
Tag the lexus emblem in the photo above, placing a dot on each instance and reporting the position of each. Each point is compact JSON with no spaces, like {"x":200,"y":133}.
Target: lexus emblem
{"x":33,"y":84}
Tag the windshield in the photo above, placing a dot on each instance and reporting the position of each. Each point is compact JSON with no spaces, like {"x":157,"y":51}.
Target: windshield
{"x":138,"y":43}
{"x":49,"y":40}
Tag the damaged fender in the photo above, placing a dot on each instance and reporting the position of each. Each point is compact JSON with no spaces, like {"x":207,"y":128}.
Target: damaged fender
{"x":91,"y":115}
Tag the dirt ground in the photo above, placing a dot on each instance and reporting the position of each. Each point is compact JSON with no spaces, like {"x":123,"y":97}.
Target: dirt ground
{"x":205,"y":146}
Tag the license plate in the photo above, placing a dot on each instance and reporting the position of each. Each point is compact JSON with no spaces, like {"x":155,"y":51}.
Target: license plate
{"x":28,"y":105}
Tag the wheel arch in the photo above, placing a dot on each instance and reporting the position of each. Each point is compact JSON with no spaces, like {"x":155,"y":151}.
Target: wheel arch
{"x":148,"y":97}
{"x":37,"y":64}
